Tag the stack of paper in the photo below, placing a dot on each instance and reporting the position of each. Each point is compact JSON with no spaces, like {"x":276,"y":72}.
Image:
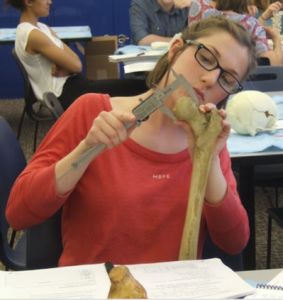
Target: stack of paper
{"x":202,"y":279}
{"x":138,"y":62}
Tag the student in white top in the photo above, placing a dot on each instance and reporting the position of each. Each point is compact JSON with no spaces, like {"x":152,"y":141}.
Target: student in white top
{"x":51,"y":65}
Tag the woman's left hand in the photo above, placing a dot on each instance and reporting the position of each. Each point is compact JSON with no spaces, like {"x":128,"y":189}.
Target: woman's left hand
{"x":59,"y":72}
{"x":222,"y":137}
{"x":252,"y":10}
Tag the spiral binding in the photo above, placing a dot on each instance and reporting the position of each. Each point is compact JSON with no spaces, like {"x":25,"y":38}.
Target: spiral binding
{"x":269,"y":287}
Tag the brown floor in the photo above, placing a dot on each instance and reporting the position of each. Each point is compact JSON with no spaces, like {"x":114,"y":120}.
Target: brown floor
{"x":11,"y":110}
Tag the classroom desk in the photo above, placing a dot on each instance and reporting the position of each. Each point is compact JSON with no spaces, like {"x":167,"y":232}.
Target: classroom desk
{"x":67,"y":34}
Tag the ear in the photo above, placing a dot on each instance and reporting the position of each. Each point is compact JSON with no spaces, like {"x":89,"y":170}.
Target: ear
{"x":176,"y":45}
{"x":28,"y":3}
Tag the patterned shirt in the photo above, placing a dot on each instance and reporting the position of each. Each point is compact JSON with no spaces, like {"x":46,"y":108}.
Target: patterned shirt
{"x":148,"y":17}
{"x":201,"y":9}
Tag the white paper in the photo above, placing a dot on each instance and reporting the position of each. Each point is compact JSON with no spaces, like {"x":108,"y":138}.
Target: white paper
{"x":199,"y":279}
{"x":78,"y":282}
{"x":139,"y":67}
{"x":277,"y":280}
{"x":136,"y":56}
{"x":268,"y":292}
{"x":171,"y":280}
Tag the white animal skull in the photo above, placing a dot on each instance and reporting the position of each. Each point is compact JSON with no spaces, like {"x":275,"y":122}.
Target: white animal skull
{"x":251,"y":111}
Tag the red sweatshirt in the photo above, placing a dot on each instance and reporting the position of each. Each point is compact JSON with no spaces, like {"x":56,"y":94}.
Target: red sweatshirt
{"x":129,"y":206}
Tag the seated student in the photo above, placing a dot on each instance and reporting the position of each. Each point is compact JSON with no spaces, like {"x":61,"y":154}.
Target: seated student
{"x":128,"y":204}
{"x":155,"y":21}
{"x":51,"y":65}
{"x":265,"y":10}
{"x":239,"y":10}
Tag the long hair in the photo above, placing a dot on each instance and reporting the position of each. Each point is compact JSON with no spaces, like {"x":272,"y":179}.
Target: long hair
{"x":238,"y":6}
{"x":17,"y":4}
{"x":263,"y":5}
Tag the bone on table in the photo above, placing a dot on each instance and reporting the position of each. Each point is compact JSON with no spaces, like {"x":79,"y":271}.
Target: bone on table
{"x":124,"y":285}
{"x":206,"y":128}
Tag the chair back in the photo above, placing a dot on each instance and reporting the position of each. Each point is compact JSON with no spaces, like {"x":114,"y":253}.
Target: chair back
{"x":265,"y":79}
{"x":40,"y":246}
{"x":53,"y":104}
{"x":12,"y":163}
{"x":29,"y":95}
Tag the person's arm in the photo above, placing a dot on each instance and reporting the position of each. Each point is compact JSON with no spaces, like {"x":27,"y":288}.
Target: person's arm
{"x":275,"y":56}
{"x":268,"y":13}
{"x":107,"y":128}
{"x":38,"y":42}
{"x":66,"y":47}
{"x":226,"y":217}
{"x":140,"y":28}
{"x":227,"y":222}
{"x":36,"y":194}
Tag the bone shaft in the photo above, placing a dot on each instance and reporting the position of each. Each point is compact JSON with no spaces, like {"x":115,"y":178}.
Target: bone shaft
{"x":189,"y":243}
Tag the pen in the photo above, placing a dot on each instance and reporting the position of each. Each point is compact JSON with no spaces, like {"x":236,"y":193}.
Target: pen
{"x":140,"y":54}
{"x":109,"y":266}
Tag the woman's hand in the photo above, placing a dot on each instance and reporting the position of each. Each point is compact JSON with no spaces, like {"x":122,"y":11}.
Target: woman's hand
{"x":274,"y":7}
{"x":108,"y":128}
{"x":222,"y":137}
{"x":59,"y":72}
{"x":182,"y":3}
{"x":271,"y":32}
{"x":252,"y":10}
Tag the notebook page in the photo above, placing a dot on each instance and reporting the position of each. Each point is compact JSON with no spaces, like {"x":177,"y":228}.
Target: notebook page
{"x":272,"y":290}
{"x":195,"y":279}
{"x":277,"y":280}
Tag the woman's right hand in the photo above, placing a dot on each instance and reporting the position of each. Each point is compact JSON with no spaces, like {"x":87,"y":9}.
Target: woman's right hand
{"x":108,"y":128}
{"x":274,"y":7}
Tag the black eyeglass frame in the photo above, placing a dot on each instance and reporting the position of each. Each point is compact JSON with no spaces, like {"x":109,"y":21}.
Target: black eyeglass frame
{"x":202,"y":46}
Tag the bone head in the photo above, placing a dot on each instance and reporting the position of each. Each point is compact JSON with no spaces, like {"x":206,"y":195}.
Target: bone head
{"x":250,"y":112}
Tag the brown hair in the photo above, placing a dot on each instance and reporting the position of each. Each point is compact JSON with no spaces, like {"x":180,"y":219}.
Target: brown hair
{"x":203,"y":28}
{"x":17,"y":4}
{"x":237,"y":6}
{"x":264,"y":5}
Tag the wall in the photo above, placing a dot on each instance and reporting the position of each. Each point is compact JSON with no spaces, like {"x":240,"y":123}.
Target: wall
{"x":107,"y":17}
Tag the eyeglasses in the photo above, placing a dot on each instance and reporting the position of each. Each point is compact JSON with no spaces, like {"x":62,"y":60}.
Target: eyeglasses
{"x":209,"y":62}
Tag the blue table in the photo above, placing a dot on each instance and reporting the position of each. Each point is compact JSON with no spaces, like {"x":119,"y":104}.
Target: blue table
{"x":66,"y":34}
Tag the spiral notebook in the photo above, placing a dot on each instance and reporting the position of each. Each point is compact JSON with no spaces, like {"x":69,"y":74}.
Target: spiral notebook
{"x":272,"y":290}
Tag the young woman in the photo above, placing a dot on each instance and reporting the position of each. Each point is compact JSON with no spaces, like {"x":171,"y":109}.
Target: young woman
{"x":51,"y":65}
{"x":128,"y":204}
{"x":239,"y":10}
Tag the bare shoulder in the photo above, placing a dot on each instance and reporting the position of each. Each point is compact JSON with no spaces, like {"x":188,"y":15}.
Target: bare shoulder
{"x":37,"y":36}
